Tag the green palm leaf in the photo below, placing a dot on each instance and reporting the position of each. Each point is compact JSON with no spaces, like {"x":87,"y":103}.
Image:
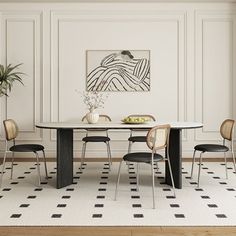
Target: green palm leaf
{"x":8,"y":76}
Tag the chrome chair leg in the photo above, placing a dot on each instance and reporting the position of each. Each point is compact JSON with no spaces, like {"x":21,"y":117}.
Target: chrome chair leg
{"x":137,"y":176}
{"x":12,"y":164}
{"x":171,"y":176}
{"x":82,"y":156}
{"x":38,"y":168}
{"x":234,"y":160}
{"x":118,"y":179}
{"x":45,"y":164}
{"x":193,"y":162}
{"x":129,"y":147}
{"x":199,"y":169}
{"x":109,"y":148}
{"x":153,"y":187}
{"x":226,"y":168}
{"x":3,"y":167}
{"x":108,"y":154}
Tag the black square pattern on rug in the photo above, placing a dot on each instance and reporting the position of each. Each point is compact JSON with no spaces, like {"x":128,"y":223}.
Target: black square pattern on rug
{"x":102,"y":189}
{"x":170,"y":197}
{"x":133,"y":190}
{"x":70,"y":189}
{"x":6,"y":189}
{"x":66,"y":197}
{"x":15,"y":216}
{"x":38,"y":189}
{"x":136,"y":205}
{"x":14,"y":183}
{"x":212,"y":205}
{"x":135,"y":197}
{"x":174,"y":205}
{"x":104,"y":177}
{"x":21,"y":177}
{"x":221,"y":216}
{"x":31,"y":197}
{"x":138,"y":216}
{"x":99,"y":205}
{"x":166,"y":189}
{"x":56,"y":216}
{"x":97,"y":216}
{"x":61,"y":205}
{"x":205,"y":197}
{"x":198,"y":189}
{"x":24,"y":205}
{"x":100,"y":197}
{"x":179,"y":216}
{"x":230,"y":189}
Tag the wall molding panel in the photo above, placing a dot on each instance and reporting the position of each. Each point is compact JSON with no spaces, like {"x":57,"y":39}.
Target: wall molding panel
{"x":221,"y":74}
{"x":22,"y":34}
{"x":192,"y":54}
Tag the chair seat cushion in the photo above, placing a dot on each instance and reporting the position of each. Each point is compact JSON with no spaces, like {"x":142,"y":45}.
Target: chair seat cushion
{"x":26,"y":148}
{"x":137,"y":139}
{"x":142,"y":157}
{"x":96,"y":139}
{"x":211,"y":148}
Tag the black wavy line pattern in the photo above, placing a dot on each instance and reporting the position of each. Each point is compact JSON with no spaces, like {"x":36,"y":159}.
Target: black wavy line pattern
{"x":117,"y":75}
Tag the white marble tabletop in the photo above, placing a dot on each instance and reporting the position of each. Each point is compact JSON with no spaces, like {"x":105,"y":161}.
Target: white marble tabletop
{"x":117,"y":125}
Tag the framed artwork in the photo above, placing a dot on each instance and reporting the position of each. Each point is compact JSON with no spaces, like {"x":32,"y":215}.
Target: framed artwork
{"x":118,"y":70}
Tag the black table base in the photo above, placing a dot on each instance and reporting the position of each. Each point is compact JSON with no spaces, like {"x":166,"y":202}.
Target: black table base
{"x":64,"y":157}
{"x":175,"y":154}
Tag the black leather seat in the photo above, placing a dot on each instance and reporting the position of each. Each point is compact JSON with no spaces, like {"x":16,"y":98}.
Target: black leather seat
{"x":139,"y":139}
{"x":96,"y":139}
{"x":144,"y":157}
{"x":27,"y":148}
{"x":211,"y":148}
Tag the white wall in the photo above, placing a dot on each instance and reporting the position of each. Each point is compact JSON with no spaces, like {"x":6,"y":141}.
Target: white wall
{"x":192,"y":65}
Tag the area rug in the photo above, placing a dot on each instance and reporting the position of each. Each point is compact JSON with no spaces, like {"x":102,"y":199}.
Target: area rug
{"x":89,"y":201}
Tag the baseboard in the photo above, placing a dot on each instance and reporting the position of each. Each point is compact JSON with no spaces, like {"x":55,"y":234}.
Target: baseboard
{"x":114,"y":159}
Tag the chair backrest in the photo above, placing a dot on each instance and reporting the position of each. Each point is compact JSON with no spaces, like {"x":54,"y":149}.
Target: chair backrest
{"x":102,"y":118}
{"x":11,"y":129}
{"x":226,"y":129}
{"x":158,"y":137}
{"x":146,"y":116}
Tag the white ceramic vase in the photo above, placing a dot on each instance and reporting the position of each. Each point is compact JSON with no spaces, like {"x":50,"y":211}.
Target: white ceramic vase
{"x":92,"y":117}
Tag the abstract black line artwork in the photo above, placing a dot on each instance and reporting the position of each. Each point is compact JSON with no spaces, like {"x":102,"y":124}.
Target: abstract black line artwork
{"x":118,"y":70}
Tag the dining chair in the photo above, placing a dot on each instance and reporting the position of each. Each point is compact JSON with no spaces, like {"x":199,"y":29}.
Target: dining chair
{"x":11,"y":132}
{"x":157,"y":139}
{"x":97,"y":139}
{"x":138,"y":138}
{"x":226,"y":131}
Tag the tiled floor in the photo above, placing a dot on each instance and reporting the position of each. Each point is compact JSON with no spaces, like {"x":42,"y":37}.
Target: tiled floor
{"x":89,"y":200}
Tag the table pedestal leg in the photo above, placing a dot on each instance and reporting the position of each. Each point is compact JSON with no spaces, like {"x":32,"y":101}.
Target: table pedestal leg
{"x":64,"y":157}
{"x":175,"y":153}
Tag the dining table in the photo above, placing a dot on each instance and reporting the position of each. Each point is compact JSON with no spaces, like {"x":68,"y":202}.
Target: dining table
{"x":64,"y":145}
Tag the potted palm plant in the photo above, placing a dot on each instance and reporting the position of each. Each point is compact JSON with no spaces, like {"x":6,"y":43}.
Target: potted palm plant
{"x":8,"y":76}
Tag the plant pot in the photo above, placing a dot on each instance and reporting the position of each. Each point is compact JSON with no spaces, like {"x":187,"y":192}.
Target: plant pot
{"x":92,"y":117}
